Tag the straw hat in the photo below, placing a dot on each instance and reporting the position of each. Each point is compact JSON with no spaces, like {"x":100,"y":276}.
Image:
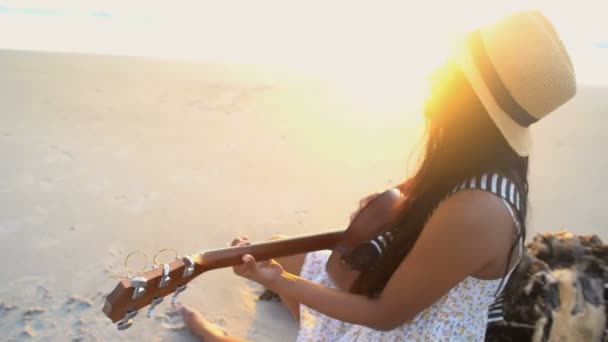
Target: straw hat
{"x":521,"y":71}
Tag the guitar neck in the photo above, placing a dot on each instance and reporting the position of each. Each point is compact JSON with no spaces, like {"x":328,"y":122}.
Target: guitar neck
{"x":270,"y":249}
{"x":150,"y":287}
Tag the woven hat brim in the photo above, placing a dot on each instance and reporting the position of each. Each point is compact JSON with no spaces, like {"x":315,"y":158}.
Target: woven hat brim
{"x":518,"y":137}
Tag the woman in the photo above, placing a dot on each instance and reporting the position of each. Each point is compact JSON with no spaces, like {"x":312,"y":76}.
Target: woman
{"x":458,"y":232}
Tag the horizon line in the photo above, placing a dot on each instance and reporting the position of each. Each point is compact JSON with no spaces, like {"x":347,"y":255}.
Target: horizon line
{"x":185,"y":59}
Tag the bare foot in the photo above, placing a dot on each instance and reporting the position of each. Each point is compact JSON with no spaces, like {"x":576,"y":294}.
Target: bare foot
{"x":202,"y":328}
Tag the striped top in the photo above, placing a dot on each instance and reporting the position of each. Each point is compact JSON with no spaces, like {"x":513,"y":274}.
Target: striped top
{"x":497,"y":184}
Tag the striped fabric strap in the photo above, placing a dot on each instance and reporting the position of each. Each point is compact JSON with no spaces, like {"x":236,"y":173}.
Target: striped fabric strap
{"x":495,"y":312}
{"x":382,"y":241}
{"x":496,"y":184}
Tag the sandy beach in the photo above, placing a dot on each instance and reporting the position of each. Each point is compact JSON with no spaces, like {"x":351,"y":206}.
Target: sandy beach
{"x":103,"y":156}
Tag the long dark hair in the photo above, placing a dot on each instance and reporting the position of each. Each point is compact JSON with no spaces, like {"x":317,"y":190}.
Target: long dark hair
{"x":462,"y":142}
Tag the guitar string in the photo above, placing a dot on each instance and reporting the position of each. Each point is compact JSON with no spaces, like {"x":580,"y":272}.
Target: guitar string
{"x":129,"y":273}
{"x":126,"y":262}
{"x":156,"y":264}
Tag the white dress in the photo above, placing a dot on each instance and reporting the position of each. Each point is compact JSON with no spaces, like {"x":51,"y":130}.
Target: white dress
{"x":460,"y":315}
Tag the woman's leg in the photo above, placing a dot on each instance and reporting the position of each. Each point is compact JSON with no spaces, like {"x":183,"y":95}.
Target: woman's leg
{"x":292,"y":264}
{"x":204,"y":329}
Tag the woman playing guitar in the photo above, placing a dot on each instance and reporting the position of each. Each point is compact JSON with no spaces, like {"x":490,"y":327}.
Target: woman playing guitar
{"x":428,"y":259}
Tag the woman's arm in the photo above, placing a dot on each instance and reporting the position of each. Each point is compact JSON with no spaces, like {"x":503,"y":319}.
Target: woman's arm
{"x":467,"y":231}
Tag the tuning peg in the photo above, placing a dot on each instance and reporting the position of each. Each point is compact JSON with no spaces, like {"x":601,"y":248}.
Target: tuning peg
{"x":127,"y":322}
{"x":179,"y":290}
{"x":189,"y":262}
{"x":155,"y":302}
{"x":124,"y":325}
{"x":139,"y":286}
{"x":164,"y":280}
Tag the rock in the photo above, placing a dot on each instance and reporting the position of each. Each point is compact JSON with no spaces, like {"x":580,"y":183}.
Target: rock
{"x":557,"y":291}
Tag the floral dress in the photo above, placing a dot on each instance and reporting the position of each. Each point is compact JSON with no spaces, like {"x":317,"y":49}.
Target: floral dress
{"x":460,"y":315}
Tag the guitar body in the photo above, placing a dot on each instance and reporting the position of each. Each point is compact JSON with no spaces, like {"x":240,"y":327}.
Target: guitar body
{"x":366,"y":225}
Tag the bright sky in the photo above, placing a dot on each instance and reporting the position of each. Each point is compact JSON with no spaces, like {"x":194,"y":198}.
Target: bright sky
{"x":370,"y":39}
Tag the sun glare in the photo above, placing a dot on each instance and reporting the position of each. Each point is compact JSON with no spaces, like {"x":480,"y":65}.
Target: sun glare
{"x":377,"y":54}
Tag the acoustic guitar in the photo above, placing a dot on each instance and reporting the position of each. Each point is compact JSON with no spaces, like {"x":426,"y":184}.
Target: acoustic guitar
{"x":150,"y":288}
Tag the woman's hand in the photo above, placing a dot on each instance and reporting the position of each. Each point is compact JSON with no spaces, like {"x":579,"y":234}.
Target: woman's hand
{"x":362,"y":203}
{"x":264,"y":273}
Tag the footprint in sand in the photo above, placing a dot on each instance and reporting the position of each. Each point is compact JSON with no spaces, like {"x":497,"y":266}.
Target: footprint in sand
{"x":78,"y":309}
{"x":42,"y":293}
{"x":33,"y":323}
{"x":5,"y":309}
{"x":77,"y":304}
{"x":57,"y":154}
{"x":171,"y":319}
{"x":81,"y":330}
{"x":81,"y":335}
{"x":31,"y":319}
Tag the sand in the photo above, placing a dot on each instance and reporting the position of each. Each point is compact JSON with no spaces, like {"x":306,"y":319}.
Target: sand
{"x":102,"y":156}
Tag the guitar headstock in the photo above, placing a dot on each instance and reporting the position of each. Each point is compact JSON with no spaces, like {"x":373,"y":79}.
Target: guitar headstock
{"x":149,"y":288}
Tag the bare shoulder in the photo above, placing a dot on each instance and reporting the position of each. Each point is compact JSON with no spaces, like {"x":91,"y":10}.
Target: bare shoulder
{"x":469,"y":234}
{"x":478,"y":214}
